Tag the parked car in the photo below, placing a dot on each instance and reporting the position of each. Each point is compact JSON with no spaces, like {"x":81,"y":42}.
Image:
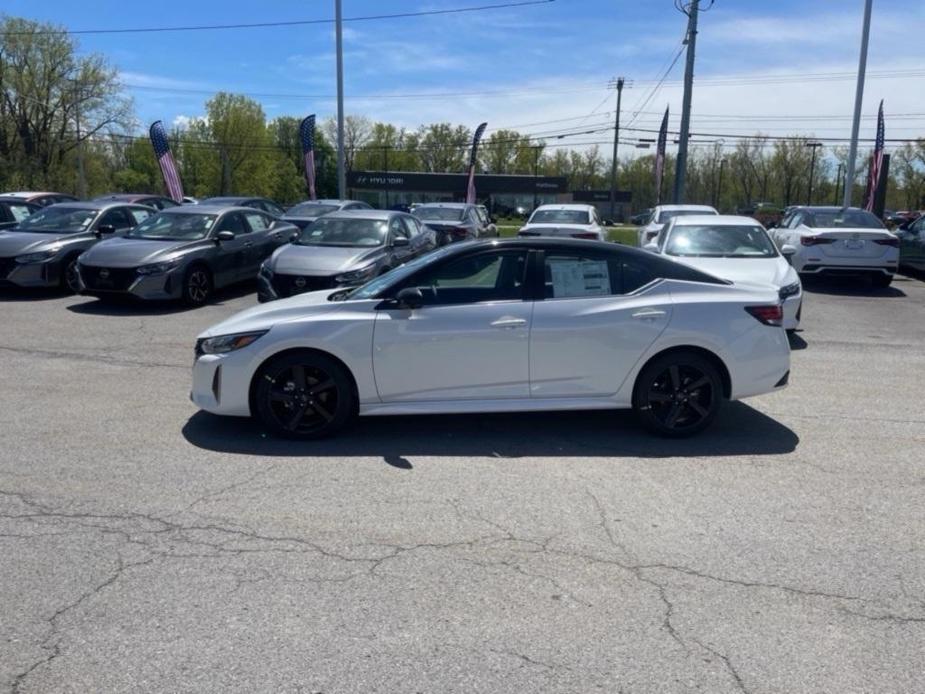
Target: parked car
{"x":912,"y":245}
{"x":506,"y":325}
{"x":735,"y":248}
{"x":902,"y":218}
{"x":642,"y":218}
{"x":264,"y":204}
{"x":343,"y":249}
{"x":575,"y":221}
{"x":41,"y":198}
{"x":158,"y":202}
{"x":13,"y":211}
{"x":189,"y":200}
{"x":839,"y":241}
{"x":662,"y":213}
{"x":184,"y":252}
{"x":307,"y":212}
{"x":453,"y":221}
{"x":42,"y":250}
{"x":486,"y":219}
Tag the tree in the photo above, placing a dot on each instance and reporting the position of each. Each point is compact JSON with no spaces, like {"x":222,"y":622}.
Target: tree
{"x":357,"y":130}
{"x":46,"y":90}
{"x":238,"y":129}
{"x":444,"y":147}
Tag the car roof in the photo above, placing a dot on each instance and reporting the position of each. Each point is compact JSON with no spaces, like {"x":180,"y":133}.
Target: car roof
{"x":827,"y":208}
{"x":6,"y":197}
{"x":94,"y":204}
{"x":716,"y":220}
{"x":565,"y":206}
{"x":233,"y":198}
{"x":128,"y":197}
{"x":671,"y":208}
{"x":453,"y":205}
{"x":363,"y":214}
{"x":325,"y":201}
{"x":209,"y":207}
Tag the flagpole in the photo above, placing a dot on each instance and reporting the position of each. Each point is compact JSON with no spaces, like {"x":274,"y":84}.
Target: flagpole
{"x":858,"y":102}
{"x":341,"y":173}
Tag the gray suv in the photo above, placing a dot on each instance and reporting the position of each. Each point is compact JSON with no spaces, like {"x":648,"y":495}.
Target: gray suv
{"x":183,"y":253}
{"x":42,"y":250}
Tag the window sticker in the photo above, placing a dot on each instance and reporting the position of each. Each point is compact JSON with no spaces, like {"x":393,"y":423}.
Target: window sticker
{"x":579,"y":277}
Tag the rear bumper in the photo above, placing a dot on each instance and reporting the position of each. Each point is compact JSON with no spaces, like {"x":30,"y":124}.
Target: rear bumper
{"x":842,"y":269}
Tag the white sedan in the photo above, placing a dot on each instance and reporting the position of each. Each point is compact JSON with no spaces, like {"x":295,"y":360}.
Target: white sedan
{"x":839,"y":241}
{"x":575,"y":221}
{"x":663,"y":213}
{"x":500,"y":326}
{"x":736,"y":249}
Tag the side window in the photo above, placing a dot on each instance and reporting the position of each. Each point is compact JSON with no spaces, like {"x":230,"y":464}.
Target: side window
{"x":272,"y":208}
{"x":164,"y":203}
{"x":797,"y":220}
{"x":19,"y":212}
{"x":491,"y":276}
{"x":139,"y":215}
{"x":234,"y":222}
{"x":572,"y":275}
{"x":397,"y":229}
{"x":257,"y":221}
{"x":636,"y":274}
{"x":412,"y":225}
{"x":117,"y":218}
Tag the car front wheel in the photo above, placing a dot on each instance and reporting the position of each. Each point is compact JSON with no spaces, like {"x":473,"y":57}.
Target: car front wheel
{"x":303,"y":395}
{"x":678,"y":395}
{"x":197,"y":286}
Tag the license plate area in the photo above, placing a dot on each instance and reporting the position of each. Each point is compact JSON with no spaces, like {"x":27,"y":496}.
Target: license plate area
{"x":854,"y":244}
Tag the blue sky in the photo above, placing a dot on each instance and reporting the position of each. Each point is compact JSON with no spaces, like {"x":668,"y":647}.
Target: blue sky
{"x":550,"y":61}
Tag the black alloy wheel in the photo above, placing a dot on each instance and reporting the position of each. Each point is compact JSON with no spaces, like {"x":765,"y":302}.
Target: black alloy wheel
{"x":304,"y":396}
{"x":678,"y":395}
{"x":69,"y":280}
{"x":197,"y":286}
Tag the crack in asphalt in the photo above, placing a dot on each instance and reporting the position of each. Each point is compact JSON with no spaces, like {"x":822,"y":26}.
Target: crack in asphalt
{"x":736,"y":677}
{"x":92,"y":357}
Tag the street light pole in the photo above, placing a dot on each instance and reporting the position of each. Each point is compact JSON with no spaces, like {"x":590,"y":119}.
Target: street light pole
{"x":81,"y":173}
{"x":812,"y":169}
{"x":536,"y":173}
{"x":339,"y":40}
{"x":616,"y":141}
{"x":837,"y":182}
{"x":858,"y":101}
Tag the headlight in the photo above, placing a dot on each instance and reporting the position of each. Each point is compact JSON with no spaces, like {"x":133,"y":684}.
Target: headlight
{"x":789,"y":290}
{"x":265,"y":269}
{"x":158,"y":268}
{"x":35,"y":257}
{"x":364,"y":273}
{"x":226,"y":343}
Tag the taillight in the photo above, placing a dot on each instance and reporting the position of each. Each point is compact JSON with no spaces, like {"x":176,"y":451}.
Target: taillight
{"x":815,"y":241}
{"x":894,"y":243}
{"x":769,"y":315}
{"x":585,"y":235}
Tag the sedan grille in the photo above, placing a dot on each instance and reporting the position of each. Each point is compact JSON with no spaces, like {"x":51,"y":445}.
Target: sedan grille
{"x":107,"y":279}
{"x":289,"y":285}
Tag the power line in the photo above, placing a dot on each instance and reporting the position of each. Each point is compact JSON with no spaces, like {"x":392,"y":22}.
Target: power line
{"x":297,"y":22}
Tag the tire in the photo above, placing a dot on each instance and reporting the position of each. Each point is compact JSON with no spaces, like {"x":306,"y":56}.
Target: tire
{"x":68,"y":281}
{"x":197,"y":286}
{"x":303,"y":395}
{"x":881,"y":281}
{"x":678,"y":394}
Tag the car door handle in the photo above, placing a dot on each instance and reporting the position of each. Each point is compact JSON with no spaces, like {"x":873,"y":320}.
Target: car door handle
{"x":509,"y":323}
{"x":248,"y":244}
{"x":649,"y":314}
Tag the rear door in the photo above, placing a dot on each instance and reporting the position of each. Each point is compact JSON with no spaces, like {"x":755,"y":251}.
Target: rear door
{"x":600,"y":312}
{"x":119,"y":218}
{"x":232,"y":258}
{"x":264,"y":239}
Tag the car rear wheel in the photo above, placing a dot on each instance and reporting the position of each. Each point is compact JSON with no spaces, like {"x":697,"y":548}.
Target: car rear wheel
{"x":197,"y":286}
{"x":678,"y":395}
{"x":304,"y":395}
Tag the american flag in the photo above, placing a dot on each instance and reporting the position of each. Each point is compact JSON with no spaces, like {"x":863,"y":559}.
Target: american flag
{"x":307,"y":133}
{"x":473,"y":160}
{"x":876,"y":164}
{"x":660,"y":157}
{"x":165,"y":160}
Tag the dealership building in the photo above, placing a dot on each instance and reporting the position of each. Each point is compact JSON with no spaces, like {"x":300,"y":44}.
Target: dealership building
{"x":501,"y":193}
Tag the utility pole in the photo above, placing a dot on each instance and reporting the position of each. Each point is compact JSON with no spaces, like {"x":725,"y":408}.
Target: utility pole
{"x":719,"y":188}
{"x":680,"y":172}
{"x":858,"y":101}
{"x":81,"y":174}
{"x":812,"y":169}
{"x":536,"y":173}
{"x":339,"y":39}
{"x":616,"y":141}
{"x":837,"y":182}
{"x":385,"y":156}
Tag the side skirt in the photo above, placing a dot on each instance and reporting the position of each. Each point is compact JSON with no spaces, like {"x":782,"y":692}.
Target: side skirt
{"x":476,"y":406}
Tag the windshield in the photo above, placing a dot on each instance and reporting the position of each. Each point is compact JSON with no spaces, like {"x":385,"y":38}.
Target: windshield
{"x":56,"y":219}
{"x":843,"y":219}
{"x":440,"y":214}
{"x":174,"y":227}
{"x":372,"y":288}
{"x":720,"y":242}
{"x":310,"y":209}
{"x":665,"y":215}
{"x":344,"y":232}
{"x":560,"y":217}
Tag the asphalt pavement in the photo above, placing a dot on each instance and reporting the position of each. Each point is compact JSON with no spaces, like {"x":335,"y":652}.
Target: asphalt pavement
{"x":148,"y":547}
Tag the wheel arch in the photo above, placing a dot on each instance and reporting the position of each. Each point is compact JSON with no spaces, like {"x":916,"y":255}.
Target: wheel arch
{"x":252,"y":386}
{"x":710,"y":356}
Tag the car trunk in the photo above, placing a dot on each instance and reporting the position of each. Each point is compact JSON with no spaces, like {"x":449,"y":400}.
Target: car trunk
{"x":851,"y":243}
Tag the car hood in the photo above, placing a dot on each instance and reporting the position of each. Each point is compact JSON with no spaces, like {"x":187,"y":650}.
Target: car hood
{"x":265,"y":316}
{"x":21,"y":242}
{"x":293,"y":259}
{"x":120,"y":252}
{"x":775,"y":271}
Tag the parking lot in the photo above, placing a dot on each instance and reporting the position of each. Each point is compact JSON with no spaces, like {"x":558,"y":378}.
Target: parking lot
{"x":158,"y":548}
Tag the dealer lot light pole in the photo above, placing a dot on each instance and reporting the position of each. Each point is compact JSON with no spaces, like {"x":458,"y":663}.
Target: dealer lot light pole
{"x":858,"y":101}
{"x":339,"y":34}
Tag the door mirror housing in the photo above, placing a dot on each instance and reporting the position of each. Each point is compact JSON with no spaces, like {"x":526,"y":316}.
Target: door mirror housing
{"x":294,"y":236}
{"x":105,"y":229}
{"x":651,"y":247}
{"x":410,"y":297}
{"x":788,"y":251}
{"x":400,"y":242}
{"x":225,"y":236}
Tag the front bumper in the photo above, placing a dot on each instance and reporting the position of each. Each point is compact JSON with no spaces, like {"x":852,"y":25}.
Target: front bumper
{"x":126,"y":282}
{"x":221,"y":383}
{"x":32,"y":275}
{"x":792,"y":312}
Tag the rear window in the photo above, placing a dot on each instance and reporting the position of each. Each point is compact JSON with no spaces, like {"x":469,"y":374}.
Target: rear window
{"x":440,"y":214}
{"x":843,"y":219}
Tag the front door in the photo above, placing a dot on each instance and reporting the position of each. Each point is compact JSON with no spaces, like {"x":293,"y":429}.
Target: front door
{"x":469,"y":340}
{"x":232,"y":257}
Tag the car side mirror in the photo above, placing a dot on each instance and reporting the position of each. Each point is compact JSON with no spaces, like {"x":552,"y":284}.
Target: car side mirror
{"x":771,"y":225}
{"x":651,"y":246}
{"x":225,"y":236}
{"x":105,"y":229}
{"x":608,"y":222}
{"x":294,"y":236}
{"x":788,"y":251}
{"x":410,"y":297}
{"x":399,"y":242}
